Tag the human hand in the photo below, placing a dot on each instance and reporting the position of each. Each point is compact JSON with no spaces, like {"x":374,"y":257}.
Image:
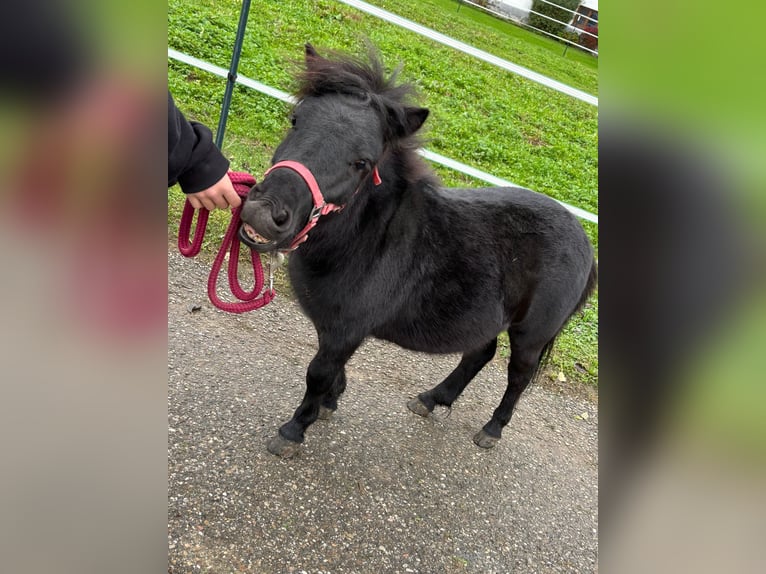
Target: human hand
{"x":221,"y":195}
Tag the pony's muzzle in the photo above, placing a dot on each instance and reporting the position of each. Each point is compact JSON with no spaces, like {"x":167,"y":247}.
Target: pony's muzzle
{"x":265,"y":224}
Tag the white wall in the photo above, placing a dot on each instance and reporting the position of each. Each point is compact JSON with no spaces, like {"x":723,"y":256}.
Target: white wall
{"x":525,"y":5}
{"x":517,"y":9}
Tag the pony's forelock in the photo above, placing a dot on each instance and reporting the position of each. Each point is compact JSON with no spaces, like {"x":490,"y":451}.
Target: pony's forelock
{"x":365,"y":79}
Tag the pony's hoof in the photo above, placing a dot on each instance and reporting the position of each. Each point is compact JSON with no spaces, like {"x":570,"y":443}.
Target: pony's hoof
{"x":280,"y":446}
{"x":418,"y":407}
{"x":325,"y":413}
{"x":484,"y":440}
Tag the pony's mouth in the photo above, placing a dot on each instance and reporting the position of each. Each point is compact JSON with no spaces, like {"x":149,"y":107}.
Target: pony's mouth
{"x":255,"y":240}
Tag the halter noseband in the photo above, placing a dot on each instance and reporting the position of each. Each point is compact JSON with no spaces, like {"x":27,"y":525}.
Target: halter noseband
{"x":321,"y":207}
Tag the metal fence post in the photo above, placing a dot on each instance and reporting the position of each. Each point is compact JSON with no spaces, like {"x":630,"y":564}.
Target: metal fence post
{"x":232,"y":77}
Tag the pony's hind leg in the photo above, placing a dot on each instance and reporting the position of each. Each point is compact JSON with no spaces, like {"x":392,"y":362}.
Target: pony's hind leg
{"x":330,"y":402}
{"x":446,"y":392}
{"x":522,"y":368}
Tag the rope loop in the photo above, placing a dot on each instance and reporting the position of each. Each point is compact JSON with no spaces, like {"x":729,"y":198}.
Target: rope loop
{"x":248,"y":300}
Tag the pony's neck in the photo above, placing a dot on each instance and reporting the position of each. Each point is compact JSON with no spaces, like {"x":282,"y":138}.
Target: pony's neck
{"x":407,"y":169}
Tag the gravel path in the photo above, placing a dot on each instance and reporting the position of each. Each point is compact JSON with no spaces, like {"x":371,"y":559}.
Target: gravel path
{"x":376,"y":489}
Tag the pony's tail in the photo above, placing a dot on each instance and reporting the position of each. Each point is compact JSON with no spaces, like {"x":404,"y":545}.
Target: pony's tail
{"x":590,"y":287}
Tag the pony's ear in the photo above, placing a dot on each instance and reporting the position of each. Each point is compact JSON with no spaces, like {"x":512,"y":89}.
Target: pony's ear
{"x":413,"y":120}
{"x":311,"y":54}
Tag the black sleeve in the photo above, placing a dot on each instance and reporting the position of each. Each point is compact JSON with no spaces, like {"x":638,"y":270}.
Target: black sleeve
{"x":194,"y":162}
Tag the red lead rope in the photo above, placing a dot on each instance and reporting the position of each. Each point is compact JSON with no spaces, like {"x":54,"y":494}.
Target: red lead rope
{"x":249,"y":300}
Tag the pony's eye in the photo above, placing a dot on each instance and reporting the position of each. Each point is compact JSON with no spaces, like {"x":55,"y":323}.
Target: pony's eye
{"x":293,"y":120}
{"x":360,"y":164}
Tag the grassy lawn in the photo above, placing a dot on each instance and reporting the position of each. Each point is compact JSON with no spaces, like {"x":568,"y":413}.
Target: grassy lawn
{"x":482,"y":116}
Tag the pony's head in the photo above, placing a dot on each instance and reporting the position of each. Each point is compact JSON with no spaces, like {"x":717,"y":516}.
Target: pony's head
{"x":349,"y":118}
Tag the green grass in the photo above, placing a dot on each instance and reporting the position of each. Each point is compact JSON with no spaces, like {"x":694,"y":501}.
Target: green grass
{"x":482,"y":116}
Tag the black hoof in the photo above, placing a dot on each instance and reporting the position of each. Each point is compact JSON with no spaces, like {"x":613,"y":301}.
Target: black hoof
{"x":418,"y":407}
{"x":325,"y":413}
{"x":483,"y":440}
{"x":280,"y":446}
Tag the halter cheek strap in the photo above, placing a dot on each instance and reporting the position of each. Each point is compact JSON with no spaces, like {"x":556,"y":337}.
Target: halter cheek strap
{"x":321,"y":207}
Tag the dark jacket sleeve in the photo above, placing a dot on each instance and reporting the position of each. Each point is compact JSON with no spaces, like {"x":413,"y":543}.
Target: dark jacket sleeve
{"x":194,"y":162}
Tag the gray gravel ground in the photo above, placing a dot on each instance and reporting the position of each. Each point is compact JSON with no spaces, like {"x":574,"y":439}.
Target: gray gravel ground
{"x":376,"y":489}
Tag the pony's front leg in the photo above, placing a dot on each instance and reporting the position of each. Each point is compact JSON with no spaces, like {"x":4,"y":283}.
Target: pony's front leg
{"x":325,"y":369}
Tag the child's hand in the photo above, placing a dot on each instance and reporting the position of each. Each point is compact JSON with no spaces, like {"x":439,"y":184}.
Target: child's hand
{"x":220,"y":195}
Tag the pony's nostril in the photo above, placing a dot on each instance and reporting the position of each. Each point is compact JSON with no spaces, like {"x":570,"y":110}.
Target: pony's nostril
{"x":281,"y":217}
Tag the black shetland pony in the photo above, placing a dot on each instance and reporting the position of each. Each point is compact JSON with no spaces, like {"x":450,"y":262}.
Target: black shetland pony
{"x":383,"y":250}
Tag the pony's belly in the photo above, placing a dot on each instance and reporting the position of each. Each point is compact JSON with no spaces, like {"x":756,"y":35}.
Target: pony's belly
{"x":438,"y":347}
{"x":441,"y":339}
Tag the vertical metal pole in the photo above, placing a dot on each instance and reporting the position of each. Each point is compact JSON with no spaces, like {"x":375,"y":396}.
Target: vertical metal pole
{"x":232,"y":78}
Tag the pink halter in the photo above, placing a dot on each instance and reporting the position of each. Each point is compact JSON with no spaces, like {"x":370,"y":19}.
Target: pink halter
{"x":321,"y":207}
